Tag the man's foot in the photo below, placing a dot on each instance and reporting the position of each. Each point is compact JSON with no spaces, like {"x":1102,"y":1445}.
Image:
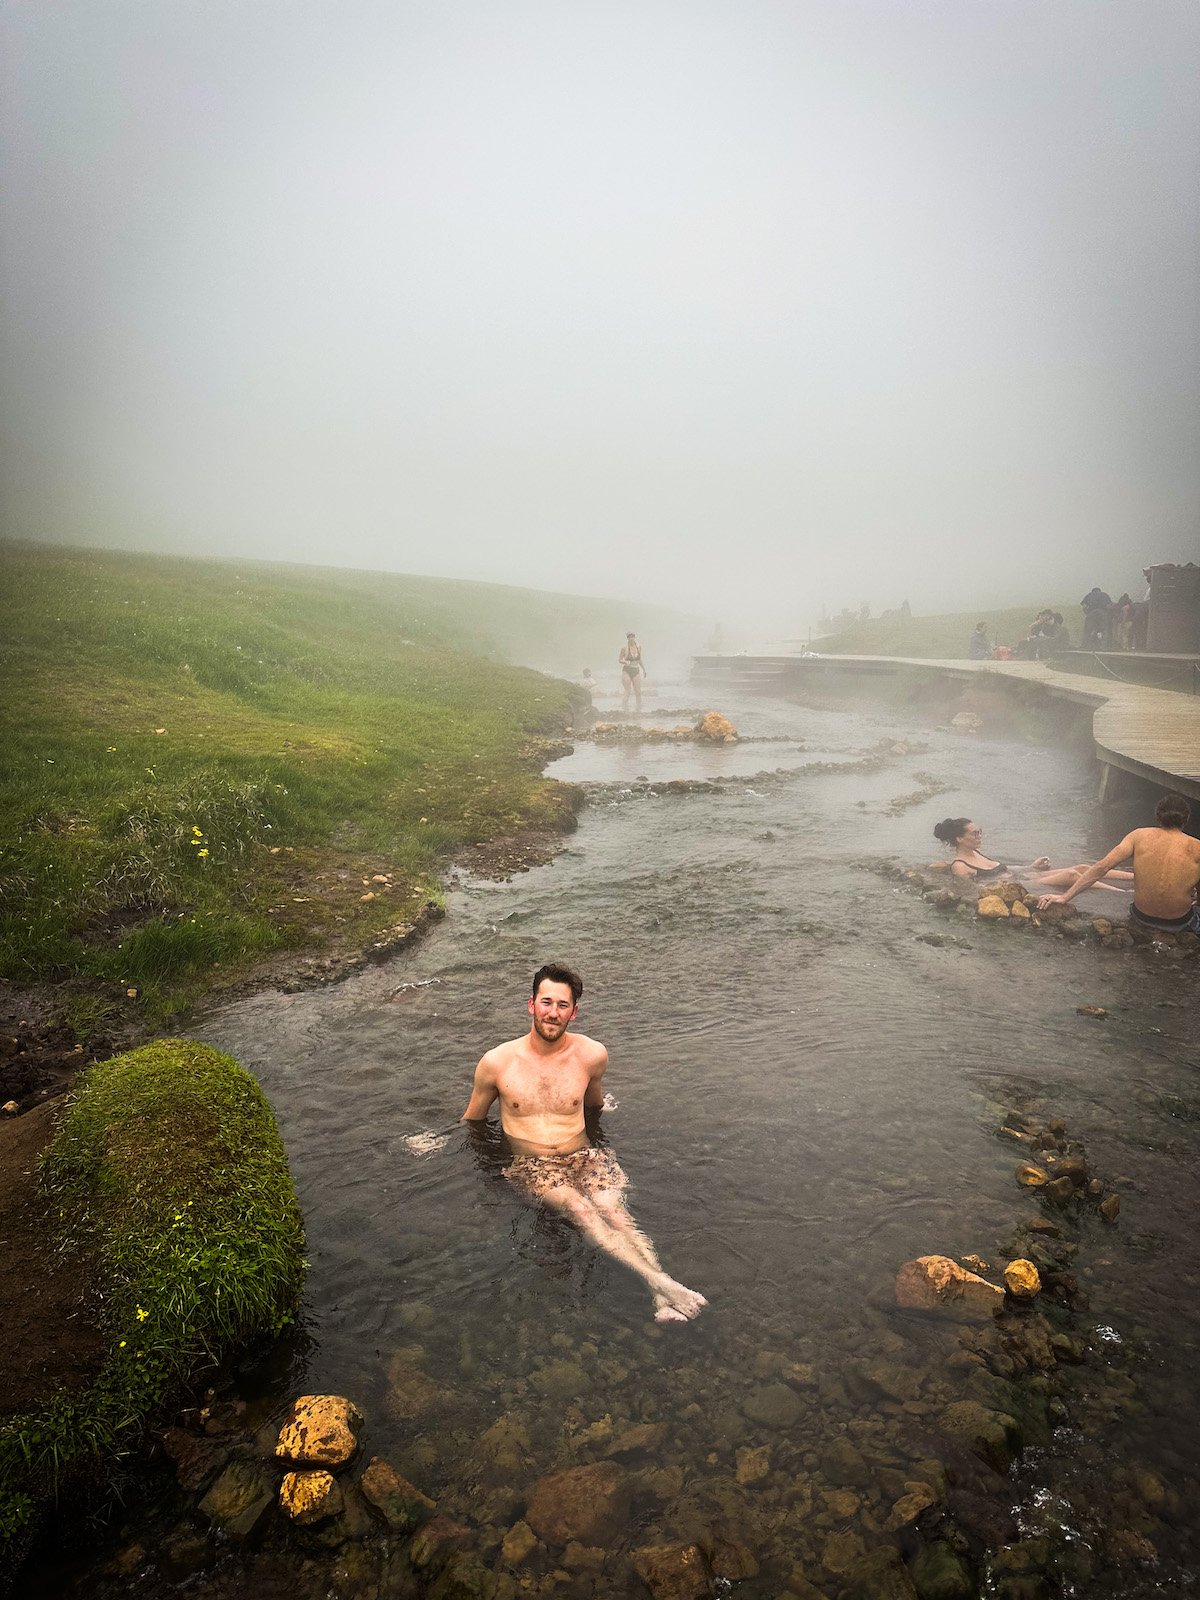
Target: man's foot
{"x":674,"y":1303}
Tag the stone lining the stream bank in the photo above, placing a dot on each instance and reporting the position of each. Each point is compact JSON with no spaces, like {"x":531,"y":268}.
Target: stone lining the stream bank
{"x":1008,"y":904}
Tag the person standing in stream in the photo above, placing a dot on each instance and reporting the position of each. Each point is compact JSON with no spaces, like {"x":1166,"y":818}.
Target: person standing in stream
{"x":633,"y":672}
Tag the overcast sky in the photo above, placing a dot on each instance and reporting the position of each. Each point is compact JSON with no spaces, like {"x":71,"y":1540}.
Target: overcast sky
{"x":747,"y":306}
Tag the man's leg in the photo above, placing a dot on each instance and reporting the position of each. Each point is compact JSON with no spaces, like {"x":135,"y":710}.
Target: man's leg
{"x":611,"y":1229}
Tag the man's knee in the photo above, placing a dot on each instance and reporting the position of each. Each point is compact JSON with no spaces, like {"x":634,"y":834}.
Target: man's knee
{"x":577,"y":1206}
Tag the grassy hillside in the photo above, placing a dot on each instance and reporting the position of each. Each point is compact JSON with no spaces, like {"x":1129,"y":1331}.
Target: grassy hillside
{"x":188,"y":749}
{"x":941,"y":638}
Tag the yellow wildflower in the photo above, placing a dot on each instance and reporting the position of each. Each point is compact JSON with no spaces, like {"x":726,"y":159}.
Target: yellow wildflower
{"x":201,"y":852}
{"x":142,"y":1315}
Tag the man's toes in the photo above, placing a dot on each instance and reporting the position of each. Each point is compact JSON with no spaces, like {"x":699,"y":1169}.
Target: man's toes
{"x":669,"y":1314}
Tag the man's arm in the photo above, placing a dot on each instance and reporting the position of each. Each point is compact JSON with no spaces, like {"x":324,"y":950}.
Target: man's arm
{"x":1094,"y":873}
{"x":593,"y":1098}
{"x":483,"y":1092}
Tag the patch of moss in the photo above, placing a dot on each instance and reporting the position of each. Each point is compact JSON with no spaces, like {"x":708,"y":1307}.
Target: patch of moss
{"x":168,"y":1171}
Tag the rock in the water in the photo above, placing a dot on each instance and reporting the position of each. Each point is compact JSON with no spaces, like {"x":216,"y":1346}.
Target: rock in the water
{"x":588,"y":1504}
{"x":411,"y":1392}
{"x":1019,"y":911}
{"x":673,"y":1571}
{"x":773,"y":1405}
{"x":842,"y":1552}
{"x":991,"y":905}
{"x":505,"y":1446}
{"x":935,"y":1283}
{"x":402,"y":1505}
{"x":583,"y":1557}
{"x":308,"y":1497}
{"x":975,"y":1264}
{"x":197,"y":1459}
{"x":432,"y":1544}
{"x":1029,"y":1176}
{"x":881,"y":1575}
{"x":464,"y":1577}
{"x":560,"y":1380}
{"x":519,"y":1544}
{"x":1110,"y":1207}
{"x":731,"y":1560}
{"x":10,"y":1108}
{"x":641,"y":1439}
{"x":1090,"y":1011}
{"x":716,"y":729}
{"x":239,"y":1500}
{"x":891,"y":1378}
{"x":321,"y":1430}
{"x":940,"y":1573}
{"x":909,"y":1507}
{"x":753,"y":1464}
{"x":994,"y":1436}
{"x":1021,"y":1279}
{"x":1059,"y":1190}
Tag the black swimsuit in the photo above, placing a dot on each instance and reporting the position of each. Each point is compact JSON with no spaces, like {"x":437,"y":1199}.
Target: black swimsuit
{"x":632,"y":665}
{"x":981,"y":872}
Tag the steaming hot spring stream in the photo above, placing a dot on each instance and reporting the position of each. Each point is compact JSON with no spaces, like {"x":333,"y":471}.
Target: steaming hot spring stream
{"x":809,"y":1091}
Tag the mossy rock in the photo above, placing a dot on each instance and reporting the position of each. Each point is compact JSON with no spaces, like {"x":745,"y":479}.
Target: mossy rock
{"x":167,"y":1173}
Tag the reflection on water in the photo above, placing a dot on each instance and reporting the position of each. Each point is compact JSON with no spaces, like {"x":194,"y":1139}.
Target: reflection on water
{"x":807,"y":1097}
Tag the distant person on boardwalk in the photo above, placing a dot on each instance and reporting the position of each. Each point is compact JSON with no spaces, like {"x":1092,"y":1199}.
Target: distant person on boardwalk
{"x":978,"y":648}
{"x":1166,"y":871}
{"x":546,"y":1082}
{"x":1097,"y":619}
{"x":970,"y":863}
{"x":633,"y":671}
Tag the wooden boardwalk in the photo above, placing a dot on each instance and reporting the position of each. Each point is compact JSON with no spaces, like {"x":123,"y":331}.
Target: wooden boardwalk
{"x":1152,"y":733}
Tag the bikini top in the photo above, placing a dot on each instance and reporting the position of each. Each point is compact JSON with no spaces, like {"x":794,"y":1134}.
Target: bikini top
{"x":980,"y":872}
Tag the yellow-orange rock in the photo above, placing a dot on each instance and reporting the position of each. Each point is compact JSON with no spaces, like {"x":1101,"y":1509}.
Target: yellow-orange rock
{"x":310,"y":1496}
{"x":321,"y":1430}
{"x":1021,"y":1280}
{"x":716,"y":728}
{"x":1029,"y":1176}
{"x":991,"y":905}
{"x":1020,"y":909}
{"x":935,"y":1283}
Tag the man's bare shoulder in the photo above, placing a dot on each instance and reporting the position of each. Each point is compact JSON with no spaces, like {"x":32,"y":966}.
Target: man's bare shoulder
{"x":501,"y":1054}
{"x":589,"y":1050}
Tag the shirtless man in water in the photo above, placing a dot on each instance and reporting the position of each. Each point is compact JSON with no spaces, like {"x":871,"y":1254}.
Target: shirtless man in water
{"x":1166,"y":870}
{"x":545,"y":1082}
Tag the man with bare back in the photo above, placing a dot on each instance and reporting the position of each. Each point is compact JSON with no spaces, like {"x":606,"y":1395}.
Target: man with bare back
{"x":1166,"y":871}
{"x":545,"y":1082}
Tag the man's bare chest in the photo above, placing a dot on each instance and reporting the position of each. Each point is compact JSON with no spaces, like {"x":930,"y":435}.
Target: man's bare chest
{"x":532,"y":1087}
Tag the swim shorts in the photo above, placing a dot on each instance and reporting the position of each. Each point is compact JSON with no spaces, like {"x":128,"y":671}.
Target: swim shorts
{"x":1188,"y":924}
{"x":585,"y":1171}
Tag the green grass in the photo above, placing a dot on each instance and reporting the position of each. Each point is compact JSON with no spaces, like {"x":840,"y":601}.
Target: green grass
{"x":168,"y":1175}
{"x":187,"y":748}
{"x":941,"y":638}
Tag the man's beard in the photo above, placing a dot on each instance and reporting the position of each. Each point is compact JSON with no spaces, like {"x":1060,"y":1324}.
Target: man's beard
{"x":539,"y":1027}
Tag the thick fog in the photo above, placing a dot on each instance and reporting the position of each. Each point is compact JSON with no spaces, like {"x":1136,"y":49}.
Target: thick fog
{"x":746,"y":307}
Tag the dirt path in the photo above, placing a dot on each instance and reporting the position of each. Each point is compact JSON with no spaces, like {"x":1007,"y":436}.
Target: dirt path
{"x":49,"y":1331}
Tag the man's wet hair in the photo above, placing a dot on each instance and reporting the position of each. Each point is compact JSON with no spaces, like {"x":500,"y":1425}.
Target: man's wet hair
{"x":1172,"y":811}
{"x":556,"y":972}
{"x":951,"y":830}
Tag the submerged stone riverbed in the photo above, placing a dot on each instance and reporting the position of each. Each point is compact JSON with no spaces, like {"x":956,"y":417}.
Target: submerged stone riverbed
{"x":809,"y":1092}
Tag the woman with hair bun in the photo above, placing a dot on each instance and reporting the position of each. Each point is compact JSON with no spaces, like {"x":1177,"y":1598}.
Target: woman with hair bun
{"x":969,"y":862}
